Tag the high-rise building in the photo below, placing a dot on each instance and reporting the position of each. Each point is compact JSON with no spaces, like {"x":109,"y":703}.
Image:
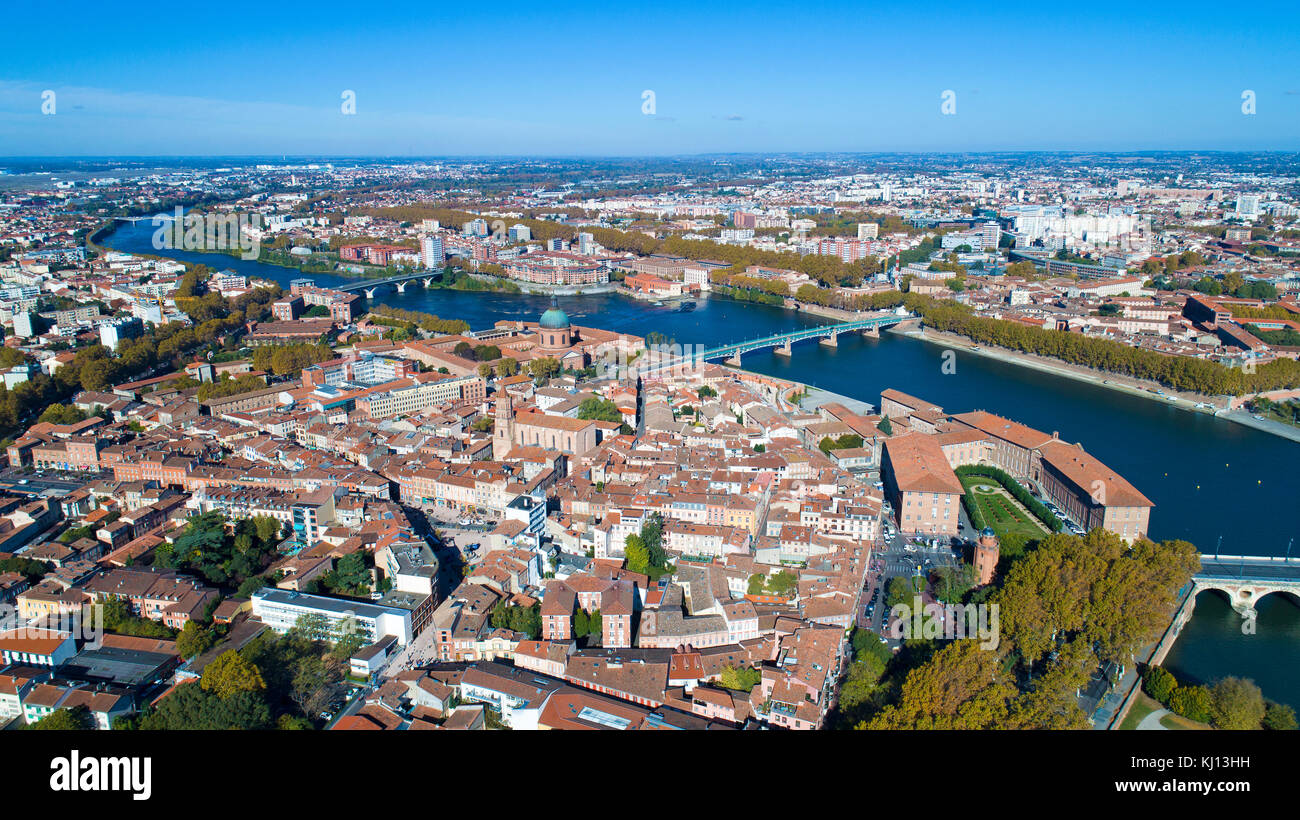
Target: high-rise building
{"x":114,"y":333}
{"x":1248,"y":206}
{"x":432,"y":254}
{"x":519,"y":233}
{"x":26,"y":324}
{"x":868,"y":230}
{"x":586,"y":244}
{"x":991,"y":232}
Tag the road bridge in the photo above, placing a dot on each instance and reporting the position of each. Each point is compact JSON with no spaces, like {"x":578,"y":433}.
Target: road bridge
{"x":1246,"y":578}
{"x":371,"y":286}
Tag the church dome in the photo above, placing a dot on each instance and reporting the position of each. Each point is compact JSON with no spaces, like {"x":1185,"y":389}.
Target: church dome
{"x":988,"y":532}
{"x":554,"y":318}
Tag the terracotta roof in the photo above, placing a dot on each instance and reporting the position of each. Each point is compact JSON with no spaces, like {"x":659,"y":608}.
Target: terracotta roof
{"x":919,"y":465}
{"x":1091,"y":476}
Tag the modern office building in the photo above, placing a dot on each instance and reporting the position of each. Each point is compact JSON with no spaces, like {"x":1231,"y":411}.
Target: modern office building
{"x":280,"y":609}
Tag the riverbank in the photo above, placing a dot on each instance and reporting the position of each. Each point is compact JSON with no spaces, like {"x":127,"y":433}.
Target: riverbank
{"x":815,"y":397}
{"x":1277,"y":428}
{"x":1111,"y":381}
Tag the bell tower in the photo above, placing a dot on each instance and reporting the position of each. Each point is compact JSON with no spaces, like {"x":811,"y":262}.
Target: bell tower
{"x":503,"y":427}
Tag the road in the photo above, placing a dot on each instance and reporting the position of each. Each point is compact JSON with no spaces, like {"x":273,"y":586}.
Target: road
{"x":45,"y":480}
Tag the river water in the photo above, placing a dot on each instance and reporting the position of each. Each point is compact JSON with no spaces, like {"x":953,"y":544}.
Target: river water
{"x":1216,"y":483}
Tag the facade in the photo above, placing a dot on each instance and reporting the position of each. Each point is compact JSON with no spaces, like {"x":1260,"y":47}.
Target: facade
{"x":1093,"y":494}
{"x":924,"y":490}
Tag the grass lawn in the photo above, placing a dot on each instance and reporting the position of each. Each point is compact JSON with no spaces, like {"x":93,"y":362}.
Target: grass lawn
{"x":998,"y":509}
{"x":1142,"y":706}
{"x":1172,"y":721}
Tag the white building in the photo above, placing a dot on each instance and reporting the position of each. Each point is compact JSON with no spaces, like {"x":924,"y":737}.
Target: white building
{"x":280,"y":609}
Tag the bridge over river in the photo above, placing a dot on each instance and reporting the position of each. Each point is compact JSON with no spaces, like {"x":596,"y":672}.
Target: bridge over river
{"x":782,"y":343}
{"x":372,"y":286}
{"x":1246,"y":578}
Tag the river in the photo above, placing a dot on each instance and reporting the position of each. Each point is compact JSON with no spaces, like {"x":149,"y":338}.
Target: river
{"x":1215,"y":483}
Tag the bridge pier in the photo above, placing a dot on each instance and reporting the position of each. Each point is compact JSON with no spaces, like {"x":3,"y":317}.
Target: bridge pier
{"x":370,"y":292}
{"x":401,"y":287}
{"x":872,"y":332}
{"x":428,"y":283}
{"x":784,"y":350}
{"x":734,"y":360}
{"x":831,"y":340}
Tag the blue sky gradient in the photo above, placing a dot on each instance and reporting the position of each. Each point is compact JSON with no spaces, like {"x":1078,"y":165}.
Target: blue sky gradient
{"x":497,"y":78}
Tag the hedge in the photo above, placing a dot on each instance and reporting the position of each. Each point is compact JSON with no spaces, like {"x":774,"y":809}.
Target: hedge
{"x":1018,"y":492}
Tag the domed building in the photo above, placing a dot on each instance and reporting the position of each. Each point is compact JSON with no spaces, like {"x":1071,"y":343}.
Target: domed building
{"x":554,"y":331}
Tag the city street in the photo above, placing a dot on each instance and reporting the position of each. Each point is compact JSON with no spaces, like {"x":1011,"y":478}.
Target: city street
{"x":29,"y":480}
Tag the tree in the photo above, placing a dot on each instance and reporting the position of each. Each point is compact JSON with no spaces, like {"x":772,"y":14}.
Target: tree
{"x":229,"y":674}
{"x":740,"y":679}
{"x":314,"y":685}
{"x":76,"y":719}
{"x":1192,"y":702}
{"x":900,"y":590}
{"x":506,"y":368}
{"x":1159,"y":683}
{"x":596,"y":625}
{"x":191,"y":707}
{"x":959,"y":688}
{"x":594,"y":407}
{"x":61,"y":414}
{"x":194,"y":640}
{"x":638,"y":557}
{"x":1236,"y":704}
{"x":885,"y":426}
{"x":544,"y":368}
{"x":311,"y":627}
{"x":1279,"y":717}
{"x":581,"y":624}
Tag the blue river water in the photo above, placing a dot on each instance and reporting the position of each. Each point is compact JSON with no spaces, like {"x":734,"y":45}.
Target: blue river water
{"x":1215,"y":483}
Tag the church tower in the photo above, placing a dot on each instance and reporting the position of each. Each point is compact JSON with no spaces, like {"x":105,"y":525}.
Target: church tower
{"x":503,"y":427}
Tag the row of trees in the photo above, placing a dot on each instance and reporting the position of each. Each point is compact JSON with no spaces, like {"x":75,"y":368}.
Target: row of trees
{"x":287,"y":360}
{"x":383,"y":314}
{"x":1230,"y":703}
{"x":1178,"y":372}
{"x":1066,"y":607}
{"x":226,"y":386}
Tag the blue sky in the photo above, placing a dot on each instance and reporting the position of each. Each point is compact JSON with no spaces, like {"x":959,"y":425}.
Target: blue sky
{"x":497,"y":78}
